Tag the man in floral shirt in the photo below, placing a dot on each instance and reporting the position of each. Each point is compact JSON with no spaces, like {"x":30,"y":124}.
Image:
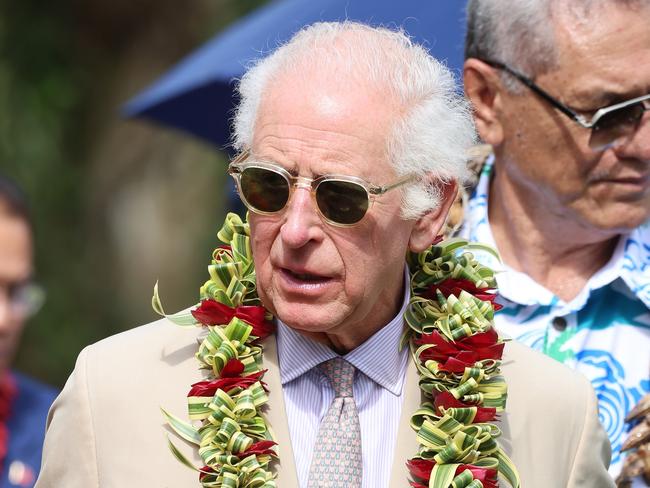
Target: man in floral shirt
{"x":560,"y":92}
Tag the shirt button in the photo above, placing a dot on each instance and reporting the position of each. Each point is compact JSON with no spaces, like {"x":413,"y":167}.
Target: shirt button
{"x":559,"y":324}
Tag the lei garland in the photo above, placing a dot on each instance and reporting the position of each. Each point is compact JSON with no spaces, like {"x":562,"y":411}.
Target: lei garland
{"x":452,"y":341}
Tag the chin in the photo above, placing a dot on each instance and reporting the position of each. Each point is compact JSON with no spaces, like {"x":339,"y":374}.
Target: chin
{"x":300,"y":318}
{"x":622,"y":222}
{"x":612,"y":218}
{"x":315,"y":318}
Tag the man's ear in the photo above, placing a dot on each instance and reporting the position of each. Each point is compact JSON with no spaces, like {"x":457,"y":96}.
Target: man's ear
{"x":483,"y":88}
{"x":428,"y":226}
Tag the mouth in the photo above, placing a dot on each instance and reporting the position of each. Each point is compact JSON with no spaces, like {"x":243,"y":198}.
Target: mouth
{"x":304,"y":276}
{"x":639,"y":181}
{"x":303,"y":281}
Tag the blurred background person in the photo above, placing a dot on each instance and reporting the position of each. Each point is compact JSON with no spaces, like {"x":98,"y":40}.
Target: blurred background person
{"x":108,"y":193}
{"x":561,"y":92}
{"x":24,"y":402}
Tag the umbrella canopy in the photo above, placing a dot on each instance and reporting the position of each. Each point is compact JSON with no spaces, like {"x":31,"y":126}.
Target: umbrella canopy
{"x":197,"y":95}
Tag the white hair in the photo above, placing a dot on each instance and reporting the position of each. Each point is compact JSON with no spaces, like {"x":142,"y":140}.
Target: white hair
{"x":433,"y":128}
{"x":521,"y":33}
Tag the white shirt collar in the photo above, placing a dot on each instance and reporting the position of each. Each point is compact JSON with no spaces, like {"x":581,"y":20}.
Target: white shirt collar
{"x":379,"y":357}
{"x":630,"y":260}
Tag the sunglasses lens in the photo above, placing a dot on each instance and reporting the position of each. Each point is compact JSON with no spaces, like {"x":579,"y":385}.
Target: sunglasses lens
{"x":342,"y":202}
{"x":267,"y":191}
{"x":623,"y":117}
{"x":264,"y":190}
{"x":616,"y":124}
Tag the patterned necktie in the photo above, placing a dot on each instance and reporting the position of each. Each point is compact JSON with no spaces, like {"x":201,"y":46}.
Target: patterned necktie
{"x":336,"y":462}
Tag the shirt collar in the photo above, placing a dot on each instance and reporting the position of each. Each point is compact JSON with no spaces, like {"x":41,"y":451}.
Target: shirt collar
{"x":636,"y":262}
{"x":630,"y":260}
{"x":379,"y":357}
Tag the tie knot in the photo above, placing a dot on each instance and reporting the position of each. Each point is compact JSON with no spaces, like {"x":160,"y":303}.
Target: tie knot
{"x":341,"y":375}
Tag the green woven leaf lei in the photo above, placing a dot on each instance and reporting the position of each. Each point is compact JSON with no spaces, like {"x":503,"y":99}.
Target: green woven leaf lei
{"x":223,"y":426}
{"x":455,"y":443}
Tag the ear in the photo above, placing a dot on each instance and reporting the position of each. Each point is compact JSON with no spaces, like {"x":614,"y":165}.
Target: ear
{"x":483,"y":88}
{"x":428,"y":226}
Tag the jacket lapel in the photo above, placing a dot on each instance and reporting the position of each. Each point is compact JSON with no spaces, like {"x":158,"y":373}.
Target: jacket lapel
{"x":406,"y":445}
{"x":277,"y":417}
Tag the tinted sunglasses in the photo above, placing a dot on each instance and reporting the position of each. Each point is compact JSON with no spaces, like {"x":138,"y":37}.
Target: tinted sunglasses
{"x":608,"y":124}
{"x":266,"y":188}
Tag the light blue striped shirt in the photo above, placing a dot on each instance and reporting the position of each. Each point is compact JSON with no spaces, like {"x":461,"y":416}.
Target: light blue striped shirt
{"x":378,"y":392}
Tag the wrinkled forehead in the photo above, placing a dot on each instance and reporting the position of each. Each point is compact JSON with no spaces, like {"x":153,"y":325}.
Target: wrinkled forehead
{"x":330,"y":97}
{"x":317,"y":110}
{"x":607,"y":49}
{"x":344,"y":75}
{"x":598,"y":28}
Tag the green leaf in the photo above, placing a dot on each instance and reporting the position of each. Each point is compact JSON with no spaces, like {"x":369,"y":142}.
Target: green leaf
{"x":183,"y":429}
{"x":442,"y":475}
{"x":507,"y":469}
{"x":184,"y":318}
{"x":180,"y":456}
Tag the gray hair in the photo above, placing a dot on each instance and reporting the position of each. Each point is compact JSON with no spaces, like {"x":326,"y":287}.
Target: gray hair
{"x":431,"y":135}
{"x":521,"y":33}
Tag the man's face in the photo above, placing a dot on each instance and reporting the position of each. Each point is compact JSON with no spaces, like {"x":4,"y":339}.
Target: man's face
{"x":15,"y":269}
{"x":602,"y":63}
{"x":315,"y":277}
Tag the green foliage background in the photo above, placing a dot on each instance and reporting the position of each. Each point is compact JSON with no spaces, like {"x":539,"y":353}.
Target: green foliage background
{"x":65,"y":69}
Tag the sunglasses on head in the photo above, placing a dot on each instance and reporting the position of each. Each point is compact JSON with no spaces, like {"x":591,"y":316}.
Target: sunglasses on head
{"x":608,"y":124}
{"x":266,"y":188}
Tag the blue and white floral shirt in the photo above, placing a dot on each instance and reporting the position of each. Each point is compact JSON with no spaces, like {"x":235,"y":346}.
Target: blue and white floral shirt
{"x":604,"y":332}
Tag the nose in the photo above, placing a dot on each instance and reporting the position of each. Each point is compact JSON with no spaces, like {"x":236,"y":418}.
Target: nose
{"x":637,"y":144}
{"x":302,"y":224}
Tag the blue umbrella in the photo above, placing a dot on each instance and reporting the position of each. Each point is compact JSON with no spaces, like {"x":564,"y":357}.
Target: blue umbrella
{"x":197,"y":95}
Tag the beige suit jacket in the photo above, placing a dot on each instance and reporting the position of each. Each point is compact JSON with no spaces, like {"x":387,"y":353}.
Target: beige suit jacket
{"x":106,"y":429}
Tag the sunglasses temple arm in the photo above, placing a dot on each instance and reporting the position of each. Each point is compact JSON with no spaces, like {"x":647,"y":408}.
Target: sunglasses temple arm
{"x":533,"y":86}
{"x":562,"y":108}
{"x":402,"y":181}
{"x":241,"y":156}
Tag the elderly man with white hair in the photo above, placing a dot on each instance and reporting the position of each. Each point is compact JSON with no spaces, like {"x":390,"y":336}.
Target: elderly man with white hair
{"x":351,"y":142}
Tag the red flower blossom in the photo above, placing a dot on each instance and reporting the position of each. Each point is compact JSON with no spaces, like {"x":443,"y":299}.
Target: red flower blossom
{"x":447,"y":400}
{"x":209,"y":388}
{"x":455,"y":356}
{"x":211,"y":312}
{"x":421,"y":468}
{"x":206,"y":471}
{"x":486,"y":476}
{"x":259,"y":448}
{"x":453,"y":286}
{"x":232,"y":369}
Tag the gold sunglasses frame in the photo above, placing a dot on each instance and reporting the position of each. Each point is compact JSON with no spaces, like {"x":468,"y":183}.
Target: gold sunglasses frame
{"x":240,"y":163}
